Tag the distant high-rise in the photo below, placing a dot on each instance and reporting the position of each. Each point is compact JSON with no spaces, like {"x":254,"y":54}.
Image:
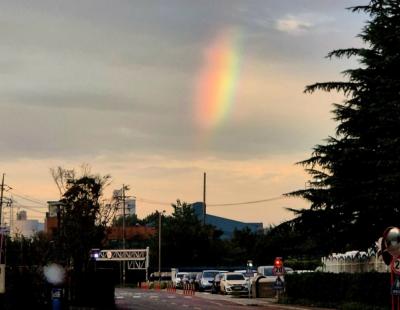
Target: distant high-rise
{"x":24,"y":227}
{"x":130,"y":203}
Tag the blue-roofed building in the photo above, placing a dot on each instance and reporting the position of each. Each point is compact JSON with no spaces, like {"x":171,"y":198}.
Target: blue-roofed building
{"x":227,"y":226}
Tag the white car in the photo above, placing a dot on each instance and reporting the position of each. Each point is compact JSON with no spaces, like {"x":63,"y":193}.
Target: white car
{"x":206,"y":279}
{"x":178,"y":279}
{"x":268,"y":273}
{"x":234,"y":283}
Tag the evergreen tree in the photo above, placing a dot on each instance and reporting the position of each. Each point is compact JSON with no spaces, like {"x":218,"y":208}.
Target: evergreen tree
{"x":355,"y":185}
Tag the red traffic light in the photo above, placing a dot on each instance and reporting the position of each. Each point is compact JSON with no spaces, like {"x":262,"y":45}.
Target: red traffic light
{"x":278,"y":262}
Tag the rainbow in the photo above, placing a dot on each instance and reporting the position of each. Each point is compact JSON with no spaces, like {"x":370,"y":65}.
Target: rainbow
{"x":217,"y":82}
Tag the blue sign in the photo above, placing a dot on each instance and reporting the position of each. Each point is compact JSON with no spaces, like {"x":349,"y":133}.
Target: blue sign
{"x":395,"y":289}
{"x":278,"y":285}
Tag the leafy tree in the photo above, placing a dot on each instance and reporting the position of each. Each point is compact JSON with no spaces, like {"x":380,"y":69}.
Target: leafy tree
{"x":130,"y":220}
{"x":355,"y":175}
{"x":243,"y":246}
{"x":185,"y":240}
{"x":82,"y":227}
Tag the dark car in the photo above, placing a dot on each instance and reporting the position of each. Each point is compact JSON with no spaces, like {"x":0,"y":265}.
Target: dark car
{"x":215,"y":288}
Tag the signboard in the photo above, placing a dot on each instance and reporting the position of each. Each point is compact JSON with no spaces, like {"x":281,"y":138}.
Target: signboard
{"x":278,"y":285}
{"x":395,"y":266}
{"x":278,"y":271}
{"x":395,"y":289}
{"x":2,"y":278}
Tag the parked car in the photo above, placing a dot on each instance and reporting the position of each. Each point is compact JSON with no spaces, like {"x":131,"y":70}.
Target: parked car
{"x":197,"y":281}
{"x":268,"y":272}
{"x":247,"y":273}
{"x":178,"y":279}
{"x":206,"y":279}
{"x":189,"y":278}
{"x":234,"y":283}
{"x":215,"y":288}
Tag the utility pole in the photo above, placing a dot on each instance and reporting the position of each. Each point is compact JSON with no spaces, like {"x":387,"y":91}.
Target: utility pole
{"x":2,"y":240}
{"x":123,"y":233}
{"x":123,"y":216}
{"x":11,"y":215}
{"x":159,"y":247}
{"x":204,"y":199}
{"x":1,"y":200}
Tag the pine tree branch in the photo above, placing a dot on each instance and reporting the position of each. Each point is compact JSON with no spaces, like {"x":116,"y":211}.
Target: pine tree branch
{"x":345,"y":87}
{"x":348,"y":52}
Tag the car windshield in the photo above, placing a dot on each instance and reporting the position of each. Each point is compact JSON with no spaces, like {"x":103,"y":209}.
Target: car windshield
{"x":209,"y":274}
{"x":180,"y":276}
{"x":234,"y":277}
{"x":268,"y":272}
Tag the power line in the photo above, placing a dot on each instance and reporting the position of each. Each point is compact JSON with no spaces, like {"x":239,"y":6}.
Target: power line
{"x":145,"y":200}
{"x":34,"y":200}
{"x":30,"y":210}
{"x":247,"y":202}
{"x":164,"y":203}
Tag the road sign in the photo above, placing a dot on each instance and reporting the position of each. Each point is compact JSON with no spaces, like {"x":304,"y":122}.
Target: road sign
{"x":396,"y":265}
{"x":278,"y":262}
{"x":278,"y":271}
{"x":395,"y":289}
{"x":278,"y":285}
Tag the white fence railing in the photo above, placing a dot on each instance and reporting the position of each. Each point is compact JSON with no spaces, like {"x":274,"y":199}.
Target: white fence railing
{"x":337,"y":263}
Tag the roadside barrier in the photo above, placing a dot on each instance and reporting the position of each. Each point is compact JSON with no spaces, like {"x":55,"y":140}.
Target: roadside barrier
{"x":171,"y":287}
{"x":144,"y":285}
{"x":188,"y":289}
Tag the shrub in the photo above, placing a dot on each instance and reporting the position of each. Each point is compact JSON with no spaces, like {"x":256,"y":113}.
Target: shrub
{"x":339,"y":289}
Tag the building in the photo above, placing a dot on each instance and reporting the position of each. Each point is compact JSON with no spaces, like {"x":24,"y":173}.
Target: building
{"x":130,"y":203}
{"x":22,"y":226}
{"x":227,"y":226}
{"x":51,"y":221}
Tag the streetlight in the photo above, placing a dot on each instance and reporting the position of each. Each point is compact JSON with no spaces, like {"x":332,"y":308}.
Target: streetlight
{"x":159,"y":245}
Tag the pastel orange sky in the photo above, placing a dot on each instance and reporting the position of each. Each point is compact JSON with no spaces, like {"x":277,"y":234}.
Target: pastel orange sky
{"x":114,"y":86}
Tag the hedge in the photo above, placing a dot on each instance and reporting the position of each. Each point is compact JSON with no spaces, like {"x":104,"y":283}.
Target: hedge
{"x":339,"y":289}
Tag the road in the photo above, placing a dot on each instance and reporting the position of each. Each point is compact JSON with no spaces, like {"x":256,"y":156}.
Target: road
{"x":129,"y":299}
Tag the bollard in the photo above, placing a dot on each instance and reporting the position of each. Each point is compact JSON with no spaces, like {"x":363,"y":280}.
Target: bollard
{"x":171,"y":287}
{"x":188,"y":289}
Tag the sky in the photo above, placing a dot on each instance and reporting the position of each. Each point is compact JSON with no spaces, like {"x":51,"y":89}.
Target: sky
{"x":155,"y":93}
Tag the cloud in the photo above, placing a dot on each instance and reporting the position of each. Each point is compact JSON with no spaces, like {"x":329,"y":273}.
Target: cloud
{"x":293,"y":25}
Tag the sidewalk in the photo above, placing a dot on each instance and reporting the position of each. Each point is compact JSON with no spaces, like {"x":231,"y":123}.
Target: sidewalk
{"x":254,"y":301}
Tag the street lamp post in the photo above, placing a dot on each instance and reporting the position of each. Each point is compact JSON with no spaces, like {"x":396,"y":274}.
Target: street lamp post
{"x":159,"y":246}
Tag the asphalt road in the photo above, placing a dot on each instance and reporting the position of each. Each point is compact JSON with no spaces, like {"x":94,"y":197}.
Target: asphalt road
{"x":127,"y":299}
